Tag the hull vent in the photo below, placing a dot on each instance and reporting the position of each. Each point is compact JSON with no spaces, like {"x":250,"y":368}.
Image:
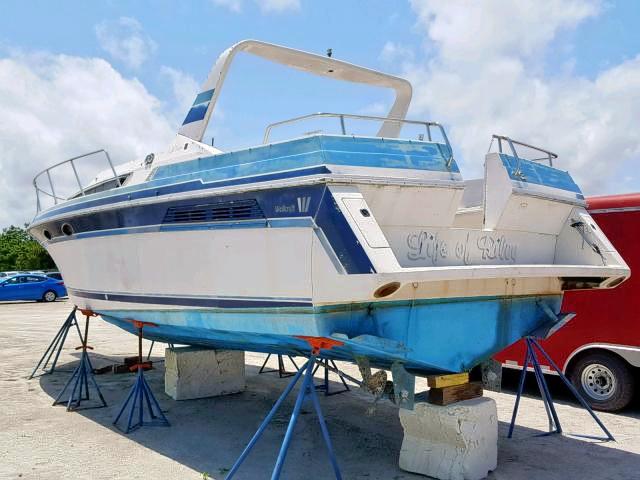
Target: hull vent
{"x":215,"y":212}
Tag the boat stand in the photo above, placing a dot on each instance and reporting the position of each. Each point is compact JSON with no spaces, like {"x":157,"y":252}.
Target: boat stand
{"x":57,"y":344}
{"x":141,"y":394}
{"x":306,"y":390}
{"x":153,"y":342}
{"x":82,"y":375}
{"x":554,"y":423}
{"x":324,"y":363}
{"x":282,"y":371}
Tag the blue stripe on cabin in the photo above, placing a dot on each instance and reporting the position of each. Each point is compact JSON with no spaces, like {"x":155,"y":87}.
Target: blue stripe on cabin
{"x":315,"y":150}
{"x":540,"y":174}
{"x":204,"y":97}
{"x":199,"y":107}
{"x":306,"y":156}
{"x":196,"y":113}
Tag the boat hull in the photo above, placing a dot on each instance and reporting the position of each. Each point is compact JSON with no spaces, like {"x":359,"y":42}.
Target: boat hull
{"x":365,"y":240}
{"x":426,"y":336}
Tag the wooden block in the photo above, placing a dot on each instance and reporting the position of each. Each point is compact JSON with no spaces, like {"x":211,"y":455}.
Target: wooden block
{"x":101,"y":370}
{"x":440,"y":381}
{"x":120,"y":368}
{"x":128,"y":361}
{"x":455,"y":393}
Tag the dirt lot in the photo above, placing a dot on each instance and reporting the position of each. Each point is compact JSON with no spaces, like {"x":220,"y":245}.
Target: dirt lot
{"x":41,"y":441}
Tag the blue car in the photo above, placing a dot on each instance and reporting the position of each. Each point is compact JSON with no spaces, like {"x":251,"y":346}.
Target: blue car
{"x":31,"y":287}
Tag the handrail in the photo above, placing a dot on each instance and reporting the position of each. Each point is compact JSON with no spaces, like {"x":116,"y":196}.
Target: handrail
{"x":343,"y":130}
{"x":70,"y":161}
{"x":510,"y":141}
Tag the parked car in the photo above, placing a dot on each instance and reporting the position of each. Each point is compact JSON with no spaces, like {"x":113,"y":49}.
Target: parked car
{"x":31,"y":287}
{"x":599,"y":350}
{"x":8,"y":274}
{"x":56,"y":275}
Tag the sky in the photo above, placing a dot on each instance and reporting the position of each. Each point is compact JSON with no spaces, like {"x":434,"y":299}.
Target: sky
{"x":77,"y":76}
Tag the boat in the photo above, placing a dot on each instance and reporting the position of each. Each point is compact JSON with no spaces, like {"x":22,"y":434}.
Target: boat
{"x":368,"y":239}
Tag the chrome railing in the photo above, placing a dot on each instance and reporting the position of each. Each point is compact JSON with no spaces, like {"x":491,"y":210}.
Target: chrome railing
{"x":72,"y":163}
{"x":343,"y":130}
{"x":548,"y":155}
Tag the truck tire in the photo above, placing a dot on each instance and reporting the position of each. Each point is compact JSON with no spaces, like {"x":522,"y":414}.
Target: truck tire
{"x":604,"y":380}
{"x":49,"y":296}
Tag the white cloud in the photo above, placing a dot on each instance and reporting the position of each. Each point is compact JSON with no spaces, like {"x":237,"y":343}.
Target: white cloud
{"x":483,"y":75}
{"x":233,"y":5}
{"x":55,"y":107}
{"x":185,"y":89}
{"x":393,"y":52}
{"x":125,"y":40}
{"x":278,"y":6}
{"x":474,"y":31}
{"x":265,"y":6}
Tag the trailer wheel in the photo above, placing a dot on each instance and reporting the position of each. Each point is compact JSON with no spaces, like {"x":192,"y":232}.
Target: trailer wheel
{"x":604,"y":380}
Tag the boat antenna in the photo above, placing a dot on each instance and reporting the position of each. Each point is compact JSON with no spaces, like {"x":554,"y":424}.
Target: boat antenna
{"x":329,"y":52}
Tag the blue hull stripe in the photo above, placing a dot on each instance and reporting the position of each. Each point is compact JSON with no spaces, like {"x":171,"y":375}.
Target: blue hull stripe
{"x":271,"y":222}
{"x":191,"y":301}
{"x":291,"y":206}
{"x":195,"y":185}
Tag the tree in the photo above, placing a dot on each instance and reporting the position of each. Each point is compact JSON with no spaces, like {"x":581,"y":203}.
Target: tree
{"x":18,"y":251}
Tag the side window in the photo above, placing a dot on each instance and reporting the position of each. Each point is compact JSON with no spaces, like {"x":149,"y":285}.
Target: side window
{"x":33,"y":279}
{"x":13,"y":281}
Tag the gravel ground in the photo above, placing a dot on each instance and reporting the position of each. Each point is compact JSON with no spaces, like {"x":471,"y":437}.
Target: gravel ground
{"x":41,"y":441}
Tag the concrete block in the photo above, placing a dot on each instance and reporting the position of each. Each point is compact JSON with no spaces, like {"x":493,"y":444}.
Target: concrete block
{"x":194,"y":372}
{"x":453,"y":442}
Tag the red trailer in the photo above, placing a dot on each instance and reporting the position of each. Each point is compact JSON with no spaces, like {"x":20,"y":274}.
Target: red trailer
{"x":599,"y":350}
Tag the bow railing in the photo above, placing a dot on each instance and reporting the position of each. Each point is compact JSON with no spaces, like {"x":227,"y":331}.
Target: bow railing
{"x":71,"y":165}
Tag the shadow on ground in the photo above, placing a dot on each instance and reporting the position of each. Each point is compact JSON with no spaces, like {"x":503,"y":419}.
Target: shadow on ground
{"x":208,"y":435}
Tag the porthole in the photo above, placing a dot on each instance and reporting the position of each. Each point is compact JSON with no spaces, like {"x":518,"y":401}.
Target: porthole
{"x":364,"y":212}
{"x":67,"y":229}
{"x":47,"y":234}
{"x":386,"y":290}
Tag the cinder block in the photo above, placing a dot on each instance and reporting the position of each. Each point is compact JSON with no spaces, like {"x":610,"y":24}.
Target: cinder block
{"x":193,"y":372}
{"x":453,"y":442}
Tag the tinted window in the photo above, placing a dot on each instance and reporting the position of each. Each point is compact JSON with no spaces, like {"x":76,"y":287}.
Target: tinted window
{"x":32,"y":279}
{"x":13,"y":281}
{"x":57,"y":276}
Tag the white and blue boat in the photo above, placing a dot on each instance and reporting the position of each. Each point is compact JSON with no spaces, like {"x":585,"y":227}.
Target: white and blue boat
{"x":373,"y":240}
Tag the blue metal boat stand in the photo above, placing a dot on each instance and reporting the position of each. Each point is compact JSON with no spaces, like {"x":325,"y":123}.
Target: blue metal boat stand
{"x":554,"y":423}
{"x":153,"y":342}
{"x":324,"y":363}
{"x":82,"y":375}
{"x":141,"y":395}
{"x":306,"y":390}
{"x":282,"y":371}
{"x":57,"y":344}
